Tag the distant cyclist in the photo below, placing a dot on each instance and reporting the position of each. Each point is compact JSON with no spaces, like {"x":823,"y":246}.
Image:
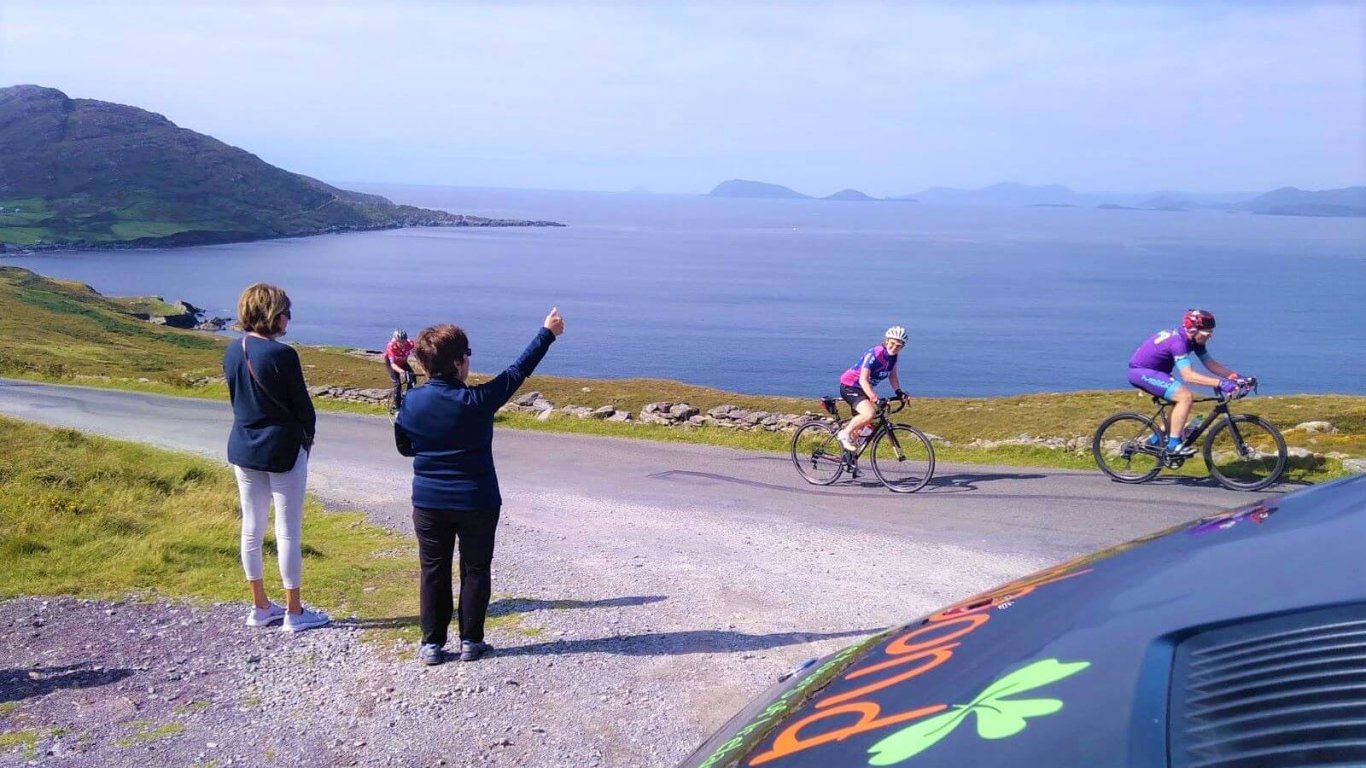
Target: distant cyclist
{"x":1152,"y":364}
{"x":396,"y":354}
{"x":856,"y":384}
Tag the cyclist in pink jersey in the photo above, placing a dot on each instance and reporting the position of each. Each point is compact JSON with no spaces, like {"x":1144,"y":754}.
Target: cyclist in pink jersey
{"x":856,"y":384}
{"x":396,"y":364}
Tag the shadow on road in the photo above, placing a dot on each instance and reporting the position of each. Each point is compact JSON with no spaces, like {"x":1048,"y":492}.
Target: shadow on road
{"x":19,"y":684}
{"x":969,"y":481}
{"x":1186,"y":481}
{"x":513,"y":605}
{"x":677,"y":643}
{"x":509,"y":606}
{"x":940,"y":484}
{"x":867,"y":481}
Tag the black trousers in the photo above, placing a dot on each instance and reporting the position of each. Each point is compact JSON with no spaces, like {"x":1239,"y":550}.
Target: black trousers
{"x":394,"y":378}
{"x":437,"y":534}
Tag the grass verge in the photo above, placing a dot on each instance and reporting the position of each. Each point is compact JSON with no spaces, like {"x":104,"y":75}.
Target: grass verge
{"x":98,"y":518}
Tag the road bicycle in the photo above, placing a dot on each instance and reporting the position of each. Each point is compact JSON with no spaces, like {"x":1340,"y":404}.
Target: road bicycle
{"x":901,"y":456}
{"x":406,"y":382}
{"x":1242,"y":452}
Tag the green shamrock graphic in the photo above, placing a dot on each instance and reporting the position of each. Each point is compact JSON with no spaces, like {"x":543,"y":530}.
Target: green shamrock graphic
{"x":997,"y":716}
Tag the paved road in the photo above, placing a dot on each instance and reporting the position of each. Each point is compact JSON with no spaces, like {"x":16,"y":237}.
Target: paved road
{"x":670,"y":582}
{"x":1046,"y":513}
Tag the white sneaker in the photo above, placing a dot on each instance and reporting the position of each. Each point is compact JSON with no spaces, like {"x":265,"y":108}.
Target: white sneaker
{"x":305,"y":619}
{"x":264,"y":617}
{"x":845,"y":441}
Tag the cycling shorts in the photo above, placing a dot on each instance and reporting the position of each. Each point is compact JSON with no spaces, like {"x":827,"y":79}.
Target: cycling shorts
{"x":852,"y":395}
{"x":1154,"y":382}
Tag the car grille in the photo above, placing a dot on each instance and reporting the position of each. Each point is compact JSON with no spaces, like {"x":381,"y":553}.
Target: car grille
{"x":1288,"y":690}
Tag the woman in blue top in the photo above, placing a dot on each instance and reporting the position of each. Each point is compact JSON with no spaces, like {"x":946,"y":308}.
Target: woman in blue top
{"x":273,"y":424}
{"x":447,"y":427}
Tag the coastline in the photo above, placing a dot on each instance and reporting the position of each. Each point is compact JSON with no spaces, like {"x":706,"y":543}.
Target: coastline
{"x":190,"y":239}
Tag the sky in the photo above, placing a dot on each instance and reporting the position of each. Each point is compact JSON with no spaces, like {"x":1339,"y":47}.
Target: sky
{"x":672,"y":97}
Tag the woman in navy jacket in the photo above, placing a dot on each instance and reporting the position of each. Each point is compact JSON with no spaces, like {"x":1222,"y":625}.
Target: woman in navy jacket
{"x":447,"y":427}
{"x":272,"y":431}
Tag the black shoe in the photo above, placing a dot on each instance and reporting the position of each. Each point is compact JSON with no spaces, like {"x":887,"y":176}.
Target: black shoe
{"x":431,"y":654}
{"x":473,"y":651}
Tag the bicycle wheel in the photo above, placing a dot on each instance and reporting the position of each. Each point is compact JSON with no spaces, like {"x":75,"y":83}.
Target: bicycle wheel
{"x":903,"y":458}
{"x":1245,"y":453}
{"x":817,"y":453}
{"x":1126,"y":447}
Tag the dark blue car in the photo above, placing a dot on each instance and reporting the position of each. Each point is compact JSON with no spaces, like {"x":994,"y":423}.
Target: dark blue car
{"x":1238,"y":640}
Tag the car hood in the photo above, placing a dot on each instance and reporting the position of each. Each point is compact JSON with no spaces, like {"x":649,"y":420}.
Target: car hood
{"x":1069,"y":666}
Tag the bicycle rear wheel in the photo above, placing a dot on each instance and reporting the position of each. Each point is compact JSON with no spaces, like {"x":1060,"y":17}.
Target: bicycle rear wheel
{"x":817,"y":453}
{"x":903,"y":458}
{"x":1245,"y":453}
{"x":1126,"y":447}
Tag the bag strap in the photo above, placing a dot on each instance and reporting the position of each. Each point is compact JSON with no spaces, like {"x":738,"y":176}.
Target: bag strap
{"x":266,"y":392}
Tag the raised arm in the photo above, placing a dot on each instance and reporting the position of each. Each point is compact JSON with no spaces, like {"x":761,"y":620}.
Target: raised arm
{"x":494,"y":393}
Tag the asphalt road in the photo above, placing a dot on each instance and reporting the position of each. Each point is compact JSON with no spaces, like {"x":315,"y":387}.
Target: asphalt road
{"x":1040,"y":513}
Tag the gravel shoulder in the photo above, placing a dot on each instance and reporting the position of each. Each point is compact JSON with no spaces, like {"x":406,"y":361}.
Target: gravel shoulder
{"x":625,"y":634}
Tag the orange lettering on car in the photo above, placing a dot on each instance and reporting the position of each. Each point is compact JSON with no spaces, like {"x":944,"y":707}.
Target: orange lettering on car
{"x":934,"y":657}
{"x":913,"y":645}
{"x":790,"y":740}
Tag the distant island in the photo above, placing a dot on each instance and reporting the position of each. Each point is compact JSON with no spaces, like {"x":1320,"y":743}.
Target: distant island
{"x":745,"y":188}
{"x":764,"y":190}
{"x":81,"y":173}
{"x":1287,"y":201}
{"x":1290,"y":201}
{"x":852,"y":195}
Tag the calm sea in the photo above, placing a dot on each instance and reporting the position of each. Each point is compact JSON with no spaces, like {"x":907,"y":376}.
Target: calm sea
{"x":779,"y":297}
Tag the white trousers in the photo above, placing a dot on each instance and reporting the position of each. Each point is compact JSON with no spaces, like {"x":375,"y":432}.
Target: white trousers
{"x":286,"y":490}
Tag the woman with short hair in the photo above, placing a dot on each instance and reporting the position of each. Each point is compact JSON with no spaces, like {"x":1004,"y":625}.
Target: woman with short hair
{"x":447,"y":427}
{"x":273,"y":424}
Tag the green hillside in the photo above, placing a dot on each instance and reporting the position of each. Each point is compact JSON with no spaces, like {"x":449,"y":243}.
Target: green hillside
{"x":83,"y":173}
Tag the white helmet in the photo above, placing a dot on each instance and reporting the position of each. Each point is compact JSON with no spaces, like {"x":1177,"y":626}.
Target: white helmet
{"x":896,"y":333}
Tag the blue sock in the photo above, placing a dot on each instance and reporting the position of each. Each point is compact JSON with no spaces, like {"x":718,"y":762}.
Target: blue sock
{"x":1173,"y":443}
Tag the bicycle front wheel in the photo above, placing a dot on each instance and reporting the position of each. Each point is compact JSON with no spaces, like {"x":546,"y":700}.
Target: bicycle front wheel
{"x":1245,"y":453}
{"x":1126,"y":447}
{"x":817,"y":454}
{"x":903,"y":458}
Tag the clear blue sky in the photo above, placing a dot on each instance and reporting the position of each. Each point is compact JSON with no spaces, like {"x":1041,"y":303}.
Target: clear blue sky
{"x":886,"y":98}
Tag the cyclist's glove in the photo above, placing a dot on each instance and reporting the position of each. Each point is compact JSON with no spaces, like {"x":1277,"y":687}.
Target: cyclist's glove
{"x":901,"y":393}
{"x":1228,"y":387}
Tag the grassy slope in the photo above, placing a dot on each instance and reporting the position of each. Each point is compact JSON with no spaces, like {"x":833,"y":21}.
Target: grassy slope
{"x":64,"y":331}
{"x":99,"y":518}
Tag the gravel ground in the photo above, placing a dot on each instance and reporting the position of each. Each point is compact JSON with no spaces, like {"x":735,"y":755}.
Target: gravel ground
{"x":627,"y":633}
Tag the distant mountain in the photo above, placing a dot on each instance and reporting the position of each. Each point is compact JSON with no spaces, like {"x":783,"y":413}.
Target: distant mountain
{"x":1290,"y":201}
{"x":86,"y":173}
{"x":849,"y":194}
{"x":743,"y":188}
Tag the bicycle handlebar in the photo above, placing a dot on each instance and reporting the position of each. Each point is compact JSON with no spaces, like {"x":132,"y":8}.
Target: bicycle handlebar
{"x":884,"y":405}
{"x":1246,"y":387}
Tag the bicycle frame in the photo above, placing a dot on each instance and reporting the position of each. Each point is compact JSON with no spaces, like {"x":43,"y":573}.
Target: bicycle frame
{"x":881,"y":422}
{"x":1221,"y":409}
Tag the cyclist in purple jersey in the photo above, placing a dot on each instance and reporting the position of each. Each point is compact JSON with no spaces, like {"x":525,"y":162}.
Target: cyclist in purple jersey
{"x":856,"y":384}
{"x":1152,"y":364}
